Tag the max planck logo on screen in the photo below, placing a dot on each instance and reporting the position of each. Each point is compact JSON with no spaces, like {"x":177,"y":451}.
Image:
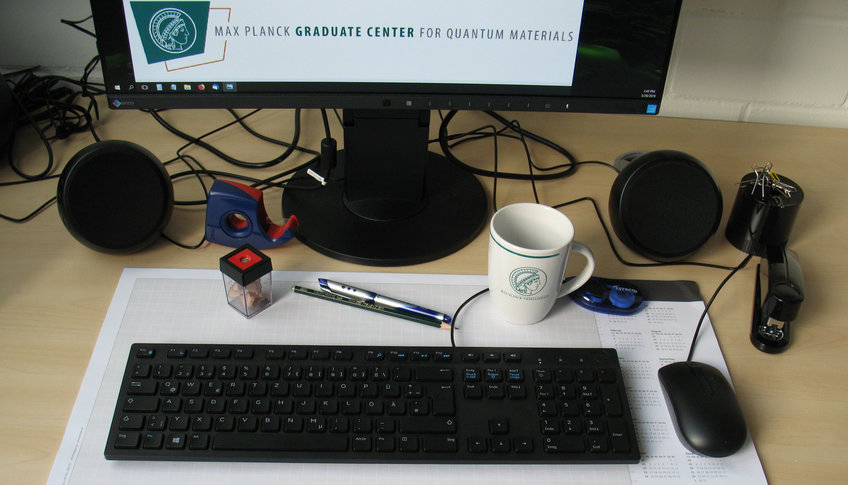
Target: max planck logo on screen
{"x":171,"y":30}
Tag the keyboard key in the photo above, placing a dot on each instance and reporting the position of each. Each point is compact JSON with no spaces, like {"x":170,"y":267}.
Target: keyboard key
{"x":439,"y":444}
{"x":384,"y":444}
{"x":279,"y":442}
{"x":523,"y":445}
{"x":433,"y":374}
{"x":141,"y":388}
{"x":564,"y":444}
{"x":131,"y":422}
{"x":152,"y":441}
{"x":408,"y":444}
{"x":501,"y":445}
{"x":141,"y":404}
{"x":141,"y":371}
{"x":477,"y":445}
{"x":145,"y":352}
{"x":198,"y":352}
{"x":421,"y":425}
{"x":175,"y":441}
{"x":198,"y":441}
{"x":443,"y":401}
{"x":177,"y":352}
{"x":499,"y":426}
{"x":127,"y":440}
{"x":618,"y":436}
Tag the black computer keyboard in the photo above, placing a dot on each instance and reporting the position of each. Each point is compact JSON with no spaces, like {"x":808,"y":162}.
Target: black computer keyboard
{"x":372,"y":404}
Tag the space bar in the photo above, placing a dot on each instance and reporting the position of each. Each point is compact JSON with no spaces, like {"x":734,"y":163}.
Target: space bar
{"x":277,"y":442}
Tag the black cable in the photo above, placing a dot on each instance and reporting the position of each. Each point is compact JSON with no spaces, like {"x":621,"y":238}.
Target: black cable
{"x":227,"y":158}
{"x":326,"y":122}
{"x":260,"y":184}
{"x":49,"y":103}
{"x":570,"y":166}
{"x":47,"y":146}
{"x":456,"y":314}
{"x":530,"y":164}
{"x":247,"y":128}
{"x":75,"y":24}
{"x":598,"y":162}
{"x":197,"y":170}
{"x":709,"y":303}
{"x":21,"y":182}
{"x":39,"y":210}
{"x":32,"y":215}
{"x":52,"y":101}
{"x":184,"y":246}
{"x":187,"y":159}
{"x":281,"y":185}
{"x":565,"y":169}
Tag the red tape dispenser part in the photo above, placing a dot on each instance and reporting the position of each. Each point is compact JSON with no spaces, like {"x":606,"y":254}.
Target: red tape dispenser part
{"x":235,"y":215}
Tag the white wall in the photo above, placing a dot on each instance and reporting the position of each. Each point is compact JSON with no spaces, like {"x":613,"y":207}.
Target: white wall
{"x":771,"y":61}
{"x":31,"y":34}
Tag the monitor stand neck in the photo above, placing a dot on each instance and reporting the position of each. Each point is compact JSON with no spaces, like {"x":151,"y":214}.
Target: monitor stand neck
{"x":389,"y":201}
{"x":390,"y":148}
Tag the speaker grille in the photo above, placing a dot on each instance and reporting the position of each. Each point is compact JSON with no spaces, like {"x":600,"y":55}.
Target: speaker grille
{"x":115,"y":197}
{"x":665,"y":206}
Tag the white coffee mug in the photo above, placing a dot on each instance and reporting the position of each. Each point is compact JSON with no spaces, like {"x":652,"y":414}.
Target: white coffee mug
{"x":529,"y":246}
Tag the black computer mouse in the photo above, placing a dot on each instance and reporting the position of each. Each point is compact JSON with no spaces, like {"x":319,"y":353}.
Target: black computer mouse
{"x":703,"y":408}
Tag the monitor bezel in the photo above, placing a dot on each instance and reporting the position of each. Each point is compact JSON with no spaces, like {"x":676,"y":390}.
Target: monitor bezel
{"x":113,"y":46}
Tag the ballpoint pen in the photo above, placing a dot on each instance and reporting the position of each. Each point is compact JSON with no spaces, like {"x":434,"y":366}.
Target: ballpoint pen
{"x":380,"y":300}
{"x":328,"y":296}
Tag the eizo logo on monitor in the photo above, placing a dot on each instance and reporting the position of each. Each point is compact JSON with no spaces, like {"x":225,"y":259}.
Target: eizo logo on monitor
{"x":171,"y":30}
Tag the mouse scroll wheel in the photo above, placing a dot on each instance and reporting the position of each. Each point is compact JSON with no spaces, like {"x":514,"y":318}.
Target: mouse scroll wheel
{"x":705,"y":382}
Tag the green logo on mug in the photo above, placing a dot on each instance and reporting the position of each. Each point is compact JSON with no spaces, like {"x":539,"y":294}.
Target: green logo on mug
{"x":527,"y":281}
{"x":171,"y":30}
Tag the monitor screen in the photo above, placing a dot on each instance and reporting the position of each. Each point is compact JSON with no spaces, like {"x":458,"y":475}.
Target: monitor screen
{"x":556,"y":55}
{"x":387,"y":64}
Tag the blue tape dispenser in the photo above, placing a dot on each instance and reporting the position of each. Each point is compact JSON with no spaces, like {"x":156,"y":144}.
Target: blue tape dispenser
{"x":235,"y":215}
{"x":615,"y":297}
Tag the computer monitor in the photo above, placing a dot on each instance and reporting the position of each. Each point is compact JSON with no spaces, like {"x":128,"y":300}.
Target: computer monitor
{"x":387,"y":65}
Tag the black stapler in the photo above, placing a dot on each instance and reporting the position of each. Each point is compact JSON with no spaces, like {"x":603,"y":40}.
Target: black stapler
{"x":773,"y":313}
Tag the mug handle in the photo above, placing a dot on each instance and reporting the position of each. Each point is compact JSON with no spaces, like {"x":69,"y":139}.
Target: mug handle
{"x":584,"y":275}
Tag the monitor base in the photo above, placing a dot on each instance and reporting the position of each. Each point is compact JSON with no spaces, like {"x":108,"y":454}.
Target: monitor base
{"x":454,"y":212}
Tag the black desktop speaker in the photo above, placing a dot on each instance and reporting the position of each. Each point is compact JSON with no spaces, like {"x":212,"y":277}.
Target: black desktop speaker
{"x":664,"y":204}
{"x":115,"y":197}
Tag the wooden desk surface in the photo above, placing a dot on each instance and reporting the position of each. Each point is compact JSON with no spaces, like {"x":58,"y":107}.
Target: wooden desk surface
{"x":55,"y":292}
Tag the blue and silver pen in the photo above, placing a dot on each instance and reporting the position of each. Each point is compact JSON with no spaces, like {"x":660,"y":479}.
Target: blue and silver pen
{"x":377,"y":299}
